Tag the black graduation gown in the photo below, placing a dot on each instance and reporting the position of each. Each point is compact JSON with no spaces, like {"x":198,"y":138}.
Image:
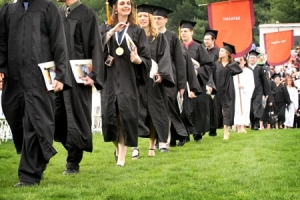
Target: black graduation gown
{"x":179,"y":74}
{"x":281,"y":100}
{"x":119,"y":96}
{"x":188,"y":103}
{"x":153,"y":99}
{"x":201,"y":114}
{"x":215,"y":117}
{"x":262,"y":88}
{"x":83,"y":42}
{"x":225,"y":88}
{"x":22,"y":48}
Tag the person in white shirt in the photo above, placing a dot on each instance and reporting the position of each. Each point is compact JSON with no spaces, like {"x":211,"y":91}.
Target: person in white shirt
{"x":292,"y":109}
{"x":244,"y":86}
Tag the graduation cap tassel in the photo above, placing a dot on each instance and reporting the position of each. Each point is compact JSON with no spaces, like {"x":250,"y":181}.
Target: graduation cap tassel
{"x":179,"y":32}
{"x":108,"y":13}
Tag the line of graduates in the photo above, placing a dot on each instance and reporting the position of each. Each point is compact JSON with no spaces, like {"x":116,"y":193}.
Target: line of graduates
{"x":192,"y":92}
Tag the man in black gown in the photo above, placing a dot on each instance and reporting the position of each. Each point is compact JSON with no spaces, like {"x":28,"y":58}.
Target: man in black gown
{"x":262,"y":88}
{"x":31,"y":32}
{"x":205,"y":75}
{"x":161,"y":18}
{"x":73,"y":107}
{"x":210,"y":37}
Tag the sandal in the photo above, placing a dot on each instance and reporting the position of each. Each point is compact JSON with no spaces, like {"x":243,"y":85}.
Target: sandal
{"x":151,"y":153}
{"x":135,"y":155}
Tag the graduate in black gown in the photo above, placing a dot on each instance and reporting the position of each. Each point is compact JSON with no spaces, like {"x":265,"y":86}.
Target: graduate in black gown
{"x":31,"y":32}
{"x":216,"y":119}
{"x":74,"y":107}
{"x":125,"y":70}
{"x":281,"y":99}
{"x":226,"y":69}
{"x":205,"y":75}
{"x":153,"y":112}
{"x":262,"y":88}
{"x":193,"y":89}
{"x":179,"y":73}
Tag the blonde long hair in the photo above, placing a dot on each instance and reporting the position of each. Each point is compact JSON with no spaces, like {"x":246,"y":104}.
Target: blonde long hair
{"x":131,"y":17}
{"x":152,"y":31}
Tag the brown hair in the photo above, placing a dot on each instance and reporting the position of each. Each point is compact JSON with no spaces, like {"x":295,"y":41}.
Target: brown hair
{"x":289,"y":78}
{"x":229,"y":57}
{"x":114,"y":16}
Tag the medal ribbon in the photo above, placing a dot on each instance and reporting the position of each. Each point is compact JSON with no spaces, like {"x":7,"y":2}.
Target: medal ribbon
{"x":121,"y":33}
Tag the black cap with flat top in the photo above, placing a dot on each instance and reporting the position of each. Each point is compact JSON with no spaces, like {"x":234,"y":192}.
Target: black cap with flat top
{"x":230,"y":48}
{"x":161,"y":11}
{"x":253,"y":53}
{"x":187,"y":24}
{"x":146,"y":8}
{"x":112,"y":2}
{"x":213,"y":33}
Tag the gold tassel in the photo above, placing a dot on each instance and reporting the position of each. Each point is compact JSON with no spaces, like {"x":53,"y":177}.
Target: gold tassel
{"x":179,"y":32}
{"x":108,"y":13}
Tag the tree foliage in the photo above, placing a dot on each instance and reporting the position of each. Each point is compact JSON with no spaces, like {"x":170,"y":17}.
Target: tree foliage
{"x":266,"y":11}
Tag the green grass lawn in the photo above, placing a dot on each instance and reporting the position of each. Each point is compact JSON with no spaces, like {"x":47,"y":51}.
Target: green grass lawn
{"x":258,"y":165}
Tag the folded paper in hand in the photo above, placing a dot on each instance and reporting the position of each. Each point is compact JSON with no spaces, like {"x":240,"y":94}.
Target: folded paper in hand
{"x":180,"y":102}
{"x":49,"y":73}
{"x":130,"y":43}
{"x":81,"y":69}
{"x":154,"y":69}
{"x":195,"y":63}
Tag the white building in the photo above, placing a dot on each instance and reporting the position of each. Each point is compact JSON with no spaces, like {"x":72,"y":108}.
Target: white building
{"x":270,"y":28}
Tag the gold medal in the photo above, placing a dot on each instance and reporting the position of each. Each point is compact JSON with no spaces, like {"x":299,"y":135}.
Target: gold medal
{"x":119,"y":51}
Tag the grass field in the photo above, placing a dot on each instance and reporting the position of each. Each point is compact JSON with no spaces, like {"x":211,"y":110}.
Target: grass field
{"x":258,"y":165}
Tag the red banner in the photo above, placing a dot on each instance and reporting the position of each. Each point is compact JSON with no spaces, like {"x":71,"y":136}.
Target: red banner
{"x":278,"y":46}
{"x":234,"y":20}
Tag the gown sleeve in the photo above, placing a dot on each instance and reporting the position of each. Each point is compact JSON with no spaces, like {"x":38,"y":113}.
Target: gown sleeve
{"x":58,"y":45}
{"x":143,"y":51}
{"x":164,"y":61}
{"x":3,"y":40}
{"x":191,"y":75}
{"x":234,"y":68}
{"x":92,"y":40}
{"x":178,"y":61}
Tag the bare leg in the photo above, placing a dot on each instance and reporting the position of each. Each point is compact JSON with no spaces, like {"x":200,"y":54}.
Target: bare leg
{"x":243,"y":130}
{"x":121,"y":146}
{"x":226,"y":132}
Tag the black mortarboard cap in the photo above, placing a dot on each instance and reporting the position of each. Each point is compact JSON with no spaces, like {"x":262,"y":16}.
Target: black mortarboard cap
{"x":187,"y":24}
{"x":161,"y":11}
{"x":253,"y":53}
{"x":112,"y":2}
{"x":146,"y":8}
{"x":198,"y":41}
{"x":229,"y":48}
{"x":213,"y":33}
{"x":275,"y":76}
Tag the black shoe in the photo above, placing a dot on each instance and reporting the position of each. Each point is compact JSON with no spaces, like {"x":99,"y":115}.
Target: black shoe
{"x":25,"y":184}
{"x":173,"y":143}
{"x":198,"y":138}
{"x":164,"y":150}
{"x":70,"y":172}
{"x":212,"y":134}
{"x":181,"y":142}
{"x":256,"y":128}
